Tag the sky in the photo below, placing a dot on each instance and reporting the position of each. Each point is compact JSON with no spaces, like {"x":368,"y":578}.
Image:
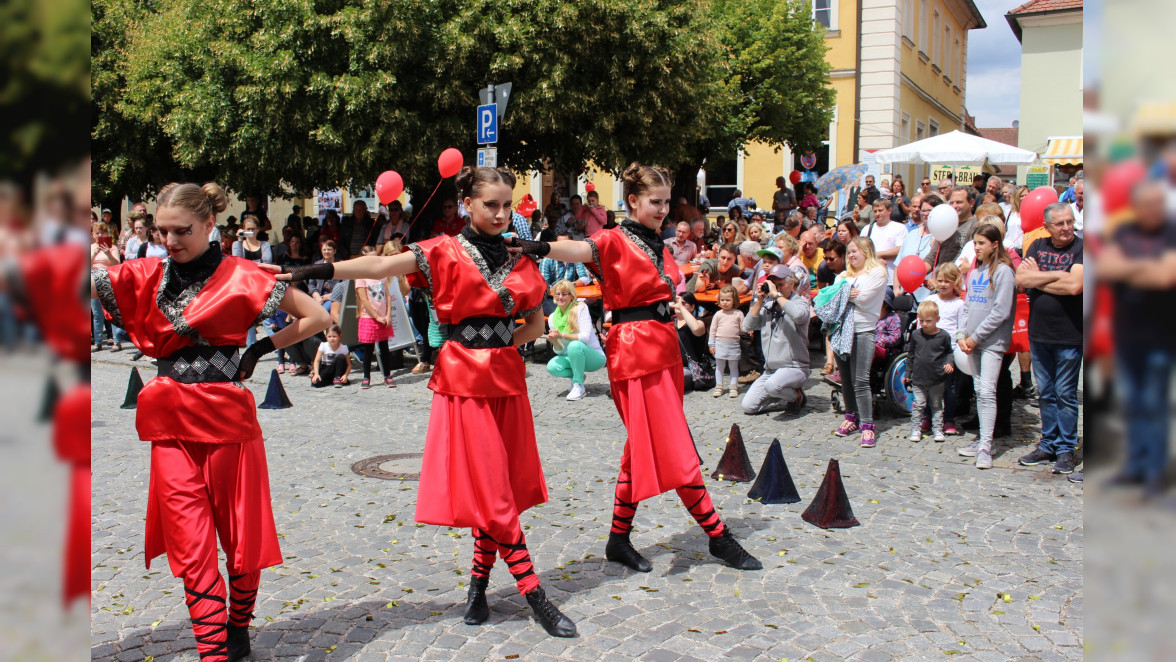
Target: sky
{"x":994,"y":67}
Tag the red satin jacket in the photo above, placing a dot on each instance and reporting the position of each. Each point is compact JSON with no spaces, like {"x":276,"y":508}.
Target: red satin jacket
{"x":463,"y":286}
{"x":218,"y":311}
{"x":51,"y":287}
{"x":631,"y":275}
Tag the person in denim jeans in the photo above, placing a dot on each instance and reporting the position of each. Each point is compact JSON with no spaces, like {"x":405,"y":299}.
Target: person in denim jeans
{"x":1140,"y":264}
{"x":1052,"y":274}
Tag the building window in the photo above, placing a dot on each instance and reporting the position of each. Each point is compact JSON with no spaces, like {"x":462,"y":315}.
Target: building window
{"x":934,"y":128}
{"x":721,"y":181}
{"x":935,"y":39}
{"x":825,"y":13}
{"x":908,"y":19}
{"x":905,"y":131}
{"x":920,"y":130}
{"x":958,"y":59}
{"x":946,"y":59}
{"x":923,"y":23}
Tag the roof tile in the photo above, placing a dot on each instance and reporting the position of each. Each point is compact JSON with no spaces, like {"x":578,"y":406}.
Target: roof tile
{"x":1034,"y":6}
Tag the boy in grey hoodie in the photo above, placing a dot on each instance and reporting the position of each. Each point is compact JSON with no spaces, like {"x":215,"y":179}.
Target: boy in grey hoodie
{"x":783,"y":317}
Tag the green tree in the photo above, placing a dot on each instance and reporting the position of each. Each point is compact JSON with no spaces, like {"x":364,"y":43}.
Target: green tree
{"x":267,"y":95}
{"x":44,"y":85}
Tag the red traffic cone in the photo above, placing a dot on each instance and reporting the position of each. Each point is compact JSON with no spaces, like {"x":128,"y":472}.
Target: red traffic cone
{"x":735,"y":465}
{"x":275,"y":395}
{"x":830,"y":509}
{"x":774,"y":484}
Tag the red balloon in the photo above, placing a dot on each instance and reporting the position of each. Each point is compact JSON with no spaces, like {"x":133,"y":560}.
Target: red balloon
{"x":1033,"y":207}
{"x":794,"y":177}
{"x":590,"y":187}
{"x":1117,"y":184}
{"x":450,"y":162}
{"x":389,"y":186}
{"x":911,"y":272}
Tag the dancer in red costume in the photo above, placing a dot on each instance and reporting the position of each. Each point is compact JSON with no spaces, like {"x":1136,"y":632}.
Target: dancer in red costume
{"x":481,"y":465}
{"x":638,"y":277}
{"x":55,"y":274}
{"x":208,"y":469}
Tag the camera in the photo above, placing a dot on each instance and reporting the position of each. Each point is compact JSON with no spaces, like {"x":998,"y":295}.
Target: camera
{"x":764,"y":288}
{"x":246,"y":234}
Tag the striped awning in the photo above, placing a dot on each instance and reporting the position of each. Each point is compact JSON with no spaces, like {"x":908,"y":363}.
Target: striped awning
{"x":1064,"y":150}
{"x":1155,"y":117}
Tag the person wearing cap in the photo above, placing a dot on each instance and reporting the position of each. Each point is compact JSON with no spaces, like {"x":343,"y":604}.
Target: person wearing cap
{"x":781,"y":315}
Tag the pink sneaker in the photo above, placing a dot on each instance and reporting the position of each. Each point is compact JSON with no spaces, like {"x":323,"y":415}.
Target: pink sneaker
{"x":868,"y":439}
{"x":847,"y":427}
{"x":949,"y":427}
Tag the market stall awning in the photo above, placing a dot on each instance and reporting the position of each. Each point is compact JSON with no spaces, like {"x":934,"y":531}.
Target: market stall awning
{"x":1155,"y":118}
{"x":957,"y":148}
{"x":1063,"y":150}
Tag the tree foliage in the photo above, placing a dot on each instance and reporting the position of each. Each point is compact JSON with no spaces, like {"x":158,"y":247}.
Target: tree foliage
{"x":271,"y":94}
{"x":44,"y":85}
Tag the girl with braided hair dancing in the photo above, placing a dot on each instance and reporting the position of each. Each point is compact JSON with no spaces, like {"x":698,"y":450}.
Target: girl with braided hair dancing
{"x":638,"y":277}
{"x":191,"y":311}
{"x":481,"y":463}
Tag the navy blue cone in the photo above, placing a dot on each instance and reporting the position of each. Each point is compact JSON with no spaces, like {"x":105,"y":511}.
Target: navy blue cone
{"x":735,"y":465}
{"x":830,"y":509}
{"x":275,"y":395}
{"x":774,"y":483}
{"x":49,"y":400}
{"x":134,"y":385}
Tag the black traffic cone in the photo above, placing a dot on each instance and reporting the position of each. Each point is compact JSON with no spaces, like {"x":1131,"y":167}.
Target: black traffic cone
{"x":133,"y":387}
{"x":49,"y":400}
{"x":735,"y":465}
{"x":830,"y":509}
{"x":774,"y":484}
{"x":275,"y":395}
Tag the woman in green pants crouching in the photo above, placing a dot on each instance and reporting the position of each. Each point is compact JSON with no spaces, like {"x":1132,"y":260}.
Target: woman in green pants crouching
{"x":577,"y":349}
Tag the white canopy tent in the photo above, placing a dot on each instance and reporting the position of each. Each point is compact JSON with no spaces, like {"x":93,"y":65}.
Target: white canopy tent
{"x":957,"y":148}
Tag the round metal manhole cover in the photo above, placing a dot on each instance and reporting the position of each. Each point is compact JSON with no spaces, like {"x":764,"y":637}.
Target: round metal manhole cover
{"x":401,"y":466}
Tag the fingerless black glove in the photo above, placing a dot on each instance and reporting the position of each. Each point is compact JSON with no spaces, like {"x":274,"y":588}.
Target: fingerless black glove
{"x":323,"y":271}
{"x":536,"y":248}
{"x":252,"y":354}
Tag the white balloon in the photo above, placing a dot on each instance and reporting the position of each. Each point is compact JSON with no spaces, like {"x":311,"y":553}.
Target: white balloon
{"x":943,"y":222}
{"x":962,"y":361}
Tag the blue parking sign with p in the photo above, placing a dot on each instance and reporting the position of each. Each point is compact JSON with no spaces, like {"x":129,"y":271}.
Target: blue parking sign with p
{"x":487,"y":124}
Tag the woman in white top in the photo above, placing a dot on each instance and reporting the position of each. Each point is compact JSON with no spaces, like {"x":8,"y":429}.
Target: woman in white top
{"x":867,"y":282}
{"x":577,"y":348}
{"x":1013,"y":231}
{"x":154,"y":246}
{"x":251,"y":248}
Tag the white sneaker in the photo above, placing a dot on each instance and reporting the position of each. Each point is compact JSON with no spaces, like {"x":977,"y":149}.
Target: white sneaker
{"x":970,"y":450}
{"x":983,"y":460}
{"x":578,"y":391}
{"x":915,"y":436}
{"x":939,"y":438}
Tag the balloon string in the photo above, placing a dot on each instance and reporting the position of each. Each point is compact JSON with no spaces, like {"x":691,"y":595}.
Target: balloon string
{"x":422,"y":209}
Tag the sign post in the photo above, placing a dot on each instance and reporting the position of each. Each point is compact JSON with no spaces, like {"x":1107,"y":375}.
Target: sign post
{"x":488,"y":157}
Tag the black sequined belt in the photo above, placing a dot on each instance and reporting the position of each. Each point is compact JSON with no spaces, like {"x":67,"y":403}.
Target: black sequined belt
{"x":659,"y":311}
{"x":200,"y":364}
{"x":483,"y":332}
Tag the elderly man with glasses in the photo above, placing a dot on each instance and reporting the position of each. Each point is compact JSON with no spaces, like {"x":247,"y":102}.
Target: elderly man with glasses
{"x":1052,"y":274}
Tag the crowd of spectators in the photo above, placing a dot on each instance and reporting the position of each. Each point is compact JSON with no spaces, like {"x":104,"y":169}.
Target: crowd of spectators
{"x":754,"y":303}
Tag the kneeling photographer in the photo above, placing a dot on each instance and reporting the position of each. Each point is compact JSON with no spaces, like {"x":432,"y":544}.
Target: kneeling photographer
{"x":782,"y":316}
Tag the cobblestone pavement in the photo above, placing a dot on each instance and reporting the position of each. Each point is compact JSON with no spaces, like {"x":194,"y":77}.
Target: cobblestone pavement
{"x":950,"y":562}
